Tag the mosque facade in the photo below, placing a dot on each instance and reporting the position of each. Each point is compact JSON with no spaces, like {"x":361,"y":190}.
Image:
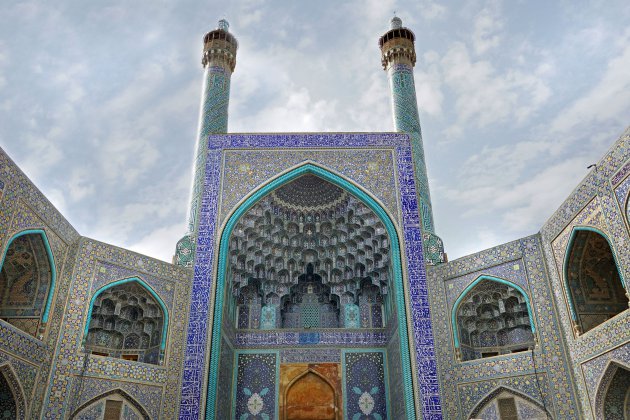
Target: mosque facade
{"x":311,"y":284}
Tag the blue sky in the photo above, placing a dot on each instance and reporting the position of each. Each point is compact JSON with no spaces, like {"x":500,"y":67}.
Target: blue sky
{"x":99,"y":101}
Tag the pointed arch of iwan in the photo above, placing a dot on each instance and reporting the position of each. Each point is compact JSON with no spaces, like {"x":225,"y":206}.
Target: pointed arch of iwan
{"x":219,"y":290}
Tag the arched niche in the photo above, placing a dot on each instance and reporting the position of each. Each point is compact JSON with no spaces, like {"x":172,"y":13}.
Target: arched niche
{"x":310,"y":396}
{"x":12,"y":401}
{"x":492,"y":317}
{"x":507,"y":404}
{"x":112,"y":405}
{"x":595,"y":288}
{"x":612,"y":399}
{"x":27,"y":281}
{"x":305,"y":255}
{"x":383,"y":251}
{"x":127,"y":320}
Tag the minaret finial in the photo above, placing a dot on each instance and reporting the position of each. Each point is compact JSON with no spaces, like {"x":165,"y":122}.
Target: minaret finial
{"x":396,"y":22}
{"x":223,"y":25}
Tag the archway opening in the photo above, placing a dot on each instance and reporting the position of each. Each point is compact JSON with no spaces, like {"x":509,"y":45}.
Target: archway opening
{"x":493,"y":318}
{"x":126,"y":322}
{"x":8,"y":405}
{"x":310,"y":397}
{"x":306,"y":261}
{"x":615,"y":388}
{"x":596,"y":291}
{"x":26,"y":282}
{"x":113,"y":405}
{"x":506,"y":404}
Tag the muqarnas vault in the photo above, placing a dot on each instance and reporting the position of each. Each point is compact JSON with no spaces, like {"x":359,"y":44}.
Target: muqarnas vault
{"x":311,"y":284}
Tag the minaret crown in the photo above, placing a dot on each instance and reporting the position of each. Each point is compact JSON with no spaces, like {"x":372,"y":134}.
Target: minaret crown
{"x":397,"y":45}
{"x":219,"y":47}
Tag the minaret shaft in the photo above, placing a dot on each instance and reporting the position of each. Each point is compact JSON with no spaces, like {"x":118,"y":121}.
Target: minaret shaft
{"x":213,"y":119}
{"x":218,"y":60}
{"x":398,"y":57}
{"x":407,"y":120}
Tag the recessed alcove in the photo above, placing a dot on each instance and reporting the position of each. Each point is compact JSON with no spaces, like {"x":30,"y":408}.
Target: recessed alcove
{"x":493,"y":319}
{"x":595,"y":287}
{"x":26,"y":280}
{"x":126,"y":322}
{"x":309,"y":255}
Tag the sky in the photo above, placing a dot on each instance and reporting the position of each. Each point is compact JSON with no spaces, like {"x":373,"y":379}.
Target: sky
{"x":99,"y":101}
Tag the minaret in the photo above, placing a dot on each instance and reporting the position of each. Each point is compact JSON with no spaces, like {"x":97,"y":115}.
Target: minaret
{"x":398,"y":57}
{"x":218,"y":60}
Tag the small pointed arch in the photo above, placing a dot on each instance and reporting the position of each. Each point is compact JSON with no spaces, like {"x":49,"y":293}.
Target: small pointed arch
{"x":594,"y":286}
{"x":506,"y":393}
{"x":28,"y":279}
{"x":313,"y":392}
{"x":612,"y":398}
{"x":116,"y":401}
{"x":134,"y":315}
{"x":492,"y":316}
{"x":11,"y":393}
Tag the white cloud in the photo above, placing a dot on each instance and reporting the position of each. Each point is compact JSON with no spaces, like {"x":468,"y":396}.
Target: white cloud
{"x":533,"y":201}
{"x":431,"y":10}
{"x":521,"y":204}
{"x":43,"y":154}
{"x":485,"y":95}
{"x":429,"y":85}
{"x":294,"y":110}
{"x":80,"y":184}
{"x":480,"y":238}
{"x":608,"y":100}
{"x":58,"y":199}
{"x":160,"y":242}
{"x":487,"y":26}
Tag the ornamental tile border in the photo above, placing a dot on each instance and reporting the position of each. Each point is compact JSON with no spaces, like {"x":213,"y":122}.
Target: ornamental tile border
{"x":246,"y":170}
{"x":69,"y":360}
{"x":26,"y":374}
{"x":513,"y":271}
{"x":474,"y":393}
{"x":460,"y":273}
{"x":323,"y":338}
{"x":148,"y":396}
{"x":194,"y":370}
{"x":622,"y":192}
{"x":595,"y":368}
{"x":17,"y":342}
{"x":310,"y":355}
